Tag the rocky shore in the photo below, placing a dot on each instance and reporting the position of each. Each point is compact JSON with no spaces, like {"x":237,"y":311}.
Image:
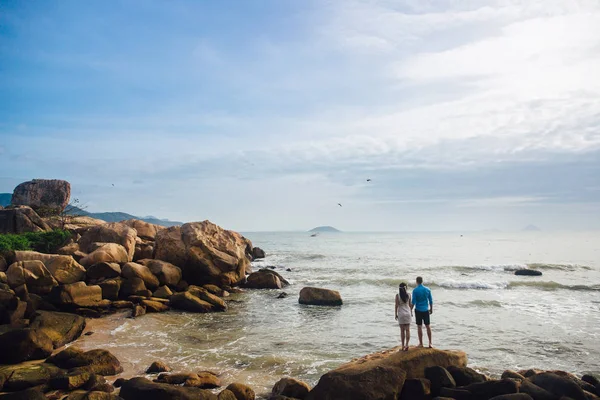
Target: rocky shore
{"x":47,"y":299}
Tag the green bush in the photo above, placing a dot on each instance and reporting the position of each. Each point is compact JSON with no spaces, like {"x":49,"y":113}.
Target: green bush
{"x":44,"y":242}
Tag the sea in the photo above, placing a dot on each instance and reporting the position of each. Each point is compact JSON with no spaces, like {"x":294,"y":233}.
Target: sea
{"x":501,"y":320}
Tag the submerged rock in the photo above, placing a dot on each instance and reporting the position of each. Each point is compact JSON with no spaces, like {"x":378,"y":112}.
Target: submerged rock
{"x":265,"y":279}
{"x":528,"y":272}
{"x":158,"y":366}
{"x":320,"y":297}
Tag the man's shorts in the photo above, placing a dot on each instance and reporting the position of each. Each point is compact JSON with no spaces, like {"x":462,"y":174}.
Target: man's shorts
{"x":422,"y":316}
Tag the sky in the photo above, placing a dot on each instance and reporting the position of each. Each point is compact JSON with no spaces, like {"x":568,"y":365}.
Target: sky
{"x":264,"y":115}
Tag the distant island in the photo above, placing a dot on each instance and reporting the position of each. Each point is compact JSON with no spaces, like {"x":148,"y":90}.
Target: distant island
{"x":5,"y":199}
{"x":321,"y":229}
{"x":531,"y":228}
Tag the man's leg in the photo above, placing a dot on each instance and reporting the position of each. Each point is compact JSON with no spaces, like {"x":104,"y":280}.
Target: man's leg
{"x":420,"y":334}
{"x":428,"y":334}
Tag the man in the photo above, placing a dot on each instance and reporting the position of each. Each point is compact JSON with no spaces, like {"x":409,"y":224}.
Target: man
{"x":421,"y":298}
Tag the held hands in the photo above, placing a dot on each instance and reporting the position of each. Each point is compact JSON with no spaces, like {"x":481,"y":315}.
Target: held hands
{"x":431,"y":311}
{"x":396,"y":317}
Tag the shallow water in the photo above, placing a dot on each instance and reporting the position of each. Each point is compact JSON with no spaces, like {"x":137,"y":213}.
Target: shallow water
{"x":501,"y":320}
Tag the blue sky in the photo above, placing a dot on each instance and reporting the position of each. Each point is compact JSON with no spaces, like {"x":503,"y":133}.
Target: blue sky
{"x":263,"y":115}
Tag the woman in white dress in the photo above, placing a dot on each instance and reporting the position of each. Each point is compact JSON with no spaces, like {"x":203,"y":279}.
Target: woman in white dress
{"x":404,"y":312}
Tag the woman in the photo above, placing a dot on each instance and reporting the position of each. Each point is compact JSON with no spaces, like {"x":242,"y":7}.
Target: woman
{"x":404,"y":314}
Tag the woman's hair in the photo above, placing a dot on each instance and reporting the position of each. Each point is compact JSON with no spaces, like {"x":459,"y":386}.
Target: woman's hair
{"x":403,"y":292}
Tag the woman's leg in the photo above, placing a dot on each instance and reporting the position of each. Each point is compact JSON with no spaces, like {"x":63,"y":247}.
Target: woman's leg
{"x":407,"y":328}
{"x":402,"y":335}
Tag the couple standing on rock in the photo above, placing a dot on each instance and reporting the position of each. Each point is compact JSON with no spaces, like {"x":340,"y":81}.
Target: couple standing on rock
{"x":422,"y":302}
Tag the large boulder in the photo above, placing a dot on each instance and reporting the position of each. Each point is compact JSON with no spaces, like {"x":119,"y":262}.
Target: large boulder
{"x":24,"y":344}
{"x":381,"y":375}
{"x":134,"y":270}
{"x":142,"y":388}
{"x":15,"y":275}
{"x":188,"y":302}
{"x":265,"y":279}
{"x":464,"y":376}
{"x":49,"y":196}
{"x":133,"y":287}
{"x":291,"y":387}
{"x":558,"y":385}
{"x":61,"y":328}
{"x":203,"y":294}
{"x":97,"y":361}
{"x":110,"y":288}
{"x":20,"y":220}
{"x":76,"y":294}
{"x":257,"y":253}
{"x":205,"y":252}
{"x":37,"y":277}
{"x":25,"y":376}
{"x":104,"y":270}
{"x":241,"y":391}
{"x":320,"y":297}
{"x":167,"y":273}
{"x":73,"y":223}
{"x":108,"y":252}
{"x":490,"y":389}
{"x":114,"y":232}
{"x":145,"y":230}
{"x":439,"y":378}
{"x":65,"y":269}
{"x":27,"y":255}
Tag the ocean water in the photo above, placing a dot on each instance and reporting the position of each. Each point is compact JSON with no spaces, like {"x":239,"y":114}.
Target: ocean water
{"x":501,"y":320}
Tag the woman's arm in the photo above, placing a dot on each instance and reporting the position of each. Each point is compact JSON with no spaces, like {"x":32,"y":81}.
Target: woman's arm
{"x":410,"y":304}
{"x":396,"y":308}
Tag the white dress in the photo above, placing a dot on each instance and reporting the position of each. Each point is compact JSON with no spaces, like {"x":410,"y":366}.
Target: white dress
{"x":404,"y":316}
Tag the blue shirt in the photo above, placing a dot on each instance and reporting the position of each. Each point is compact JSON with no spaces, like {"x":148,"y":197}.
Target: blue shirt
{"x":421,"y":298}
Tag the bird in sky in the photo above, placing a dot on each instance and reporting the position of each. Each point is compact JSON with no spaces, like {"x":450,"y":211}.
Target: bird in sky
{"x":113,"y":184}
{"x":340,"y":204}
{"x":369,"y":180}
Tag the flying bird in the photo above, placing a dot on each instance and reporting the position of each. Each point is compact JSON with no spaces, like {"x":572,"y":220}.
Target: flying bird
{"x":369,"y":180}
{"x":113,"y":184}
{"x":340,"y":204}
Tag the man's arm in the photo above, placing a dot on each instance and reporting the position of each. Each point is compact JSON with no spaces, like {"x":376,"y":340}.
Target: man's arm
{"x":430,"y":302}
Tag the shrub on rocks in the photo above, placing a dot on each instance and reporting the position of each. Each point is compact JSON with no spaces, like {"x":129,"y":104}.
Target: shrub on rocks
{"x":320,"y":297}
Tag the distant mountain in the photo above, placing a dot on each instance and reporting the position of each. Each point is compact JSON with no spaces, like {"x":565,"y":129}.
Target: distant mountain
{"x":121,"y":216}
{"x":324,"y":229}
{"x":531,"y":228}
{"x":5,"y":199}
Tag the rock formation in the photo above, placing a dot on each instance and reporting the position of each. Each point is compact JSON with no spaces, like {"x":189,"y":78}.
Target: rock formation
{"x":43,"y":195}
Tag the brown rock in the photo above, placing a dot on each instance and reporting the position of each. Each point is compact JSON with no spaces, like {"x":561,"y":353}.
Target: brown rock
{"x":204,"y":380}
{"x":175,"y":379}
{"x":142,"y":388}
{"x":535,"y":391}
{"x":508,"y":374}
{"x":257,"y":253}
{"x":163,"y":292}
{"x":143,"y":251}
{"x":98,"y":383}
{"x":321,"y":297}
{"x":558,"y":385}
{"x":110,"y":288}
{"x":3,"y":264}
{"x":37,"y":277}
{"x":489,"y":389}
{"x":70,"y":381}
{"x":133,"y":286}
{"x":34,"y":393}
{"x":92,"y":395}
{"x":109,"y":252}
{"x":137,"y":311}
{"x":157,"y":367}
{"x":65,"y":269}
{"x":48,"y":195}
{"x":61,"y":328}
{"x":291,"y":388}
{"x":416,"y":389}
{"x":226,"y":395}
{"x":188,"y":302}
{"x":241,"y":391}
{"x":104,"y":270}
{"x":464,"y":376}
{"x":15,"y":275}
{"x":77,"y":294}
{"x":135,"y":270}
{"x":28,"y":375}
{"x":217,"y":291}
{"x":20,"y":220}
{"x":457,"y":394}
{"x":97,"y":361}
{"x":513,"y":396}
{"x":114,"y":232}
{"x":27,"y":255}
{"x":167,"y":273}
{"x":154,"y":306}
{"x":145,"y":230}
{"x":439,"y":378}
{"x":206,"y":253}
{"x":265,"y":279}
{"x":24,"y":344}
{"x":203,"y":294}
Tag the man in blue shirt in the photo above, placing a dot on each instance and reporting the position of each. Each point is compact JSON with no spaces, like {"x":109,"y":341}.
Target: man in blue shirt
{"x":421,"y":298}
